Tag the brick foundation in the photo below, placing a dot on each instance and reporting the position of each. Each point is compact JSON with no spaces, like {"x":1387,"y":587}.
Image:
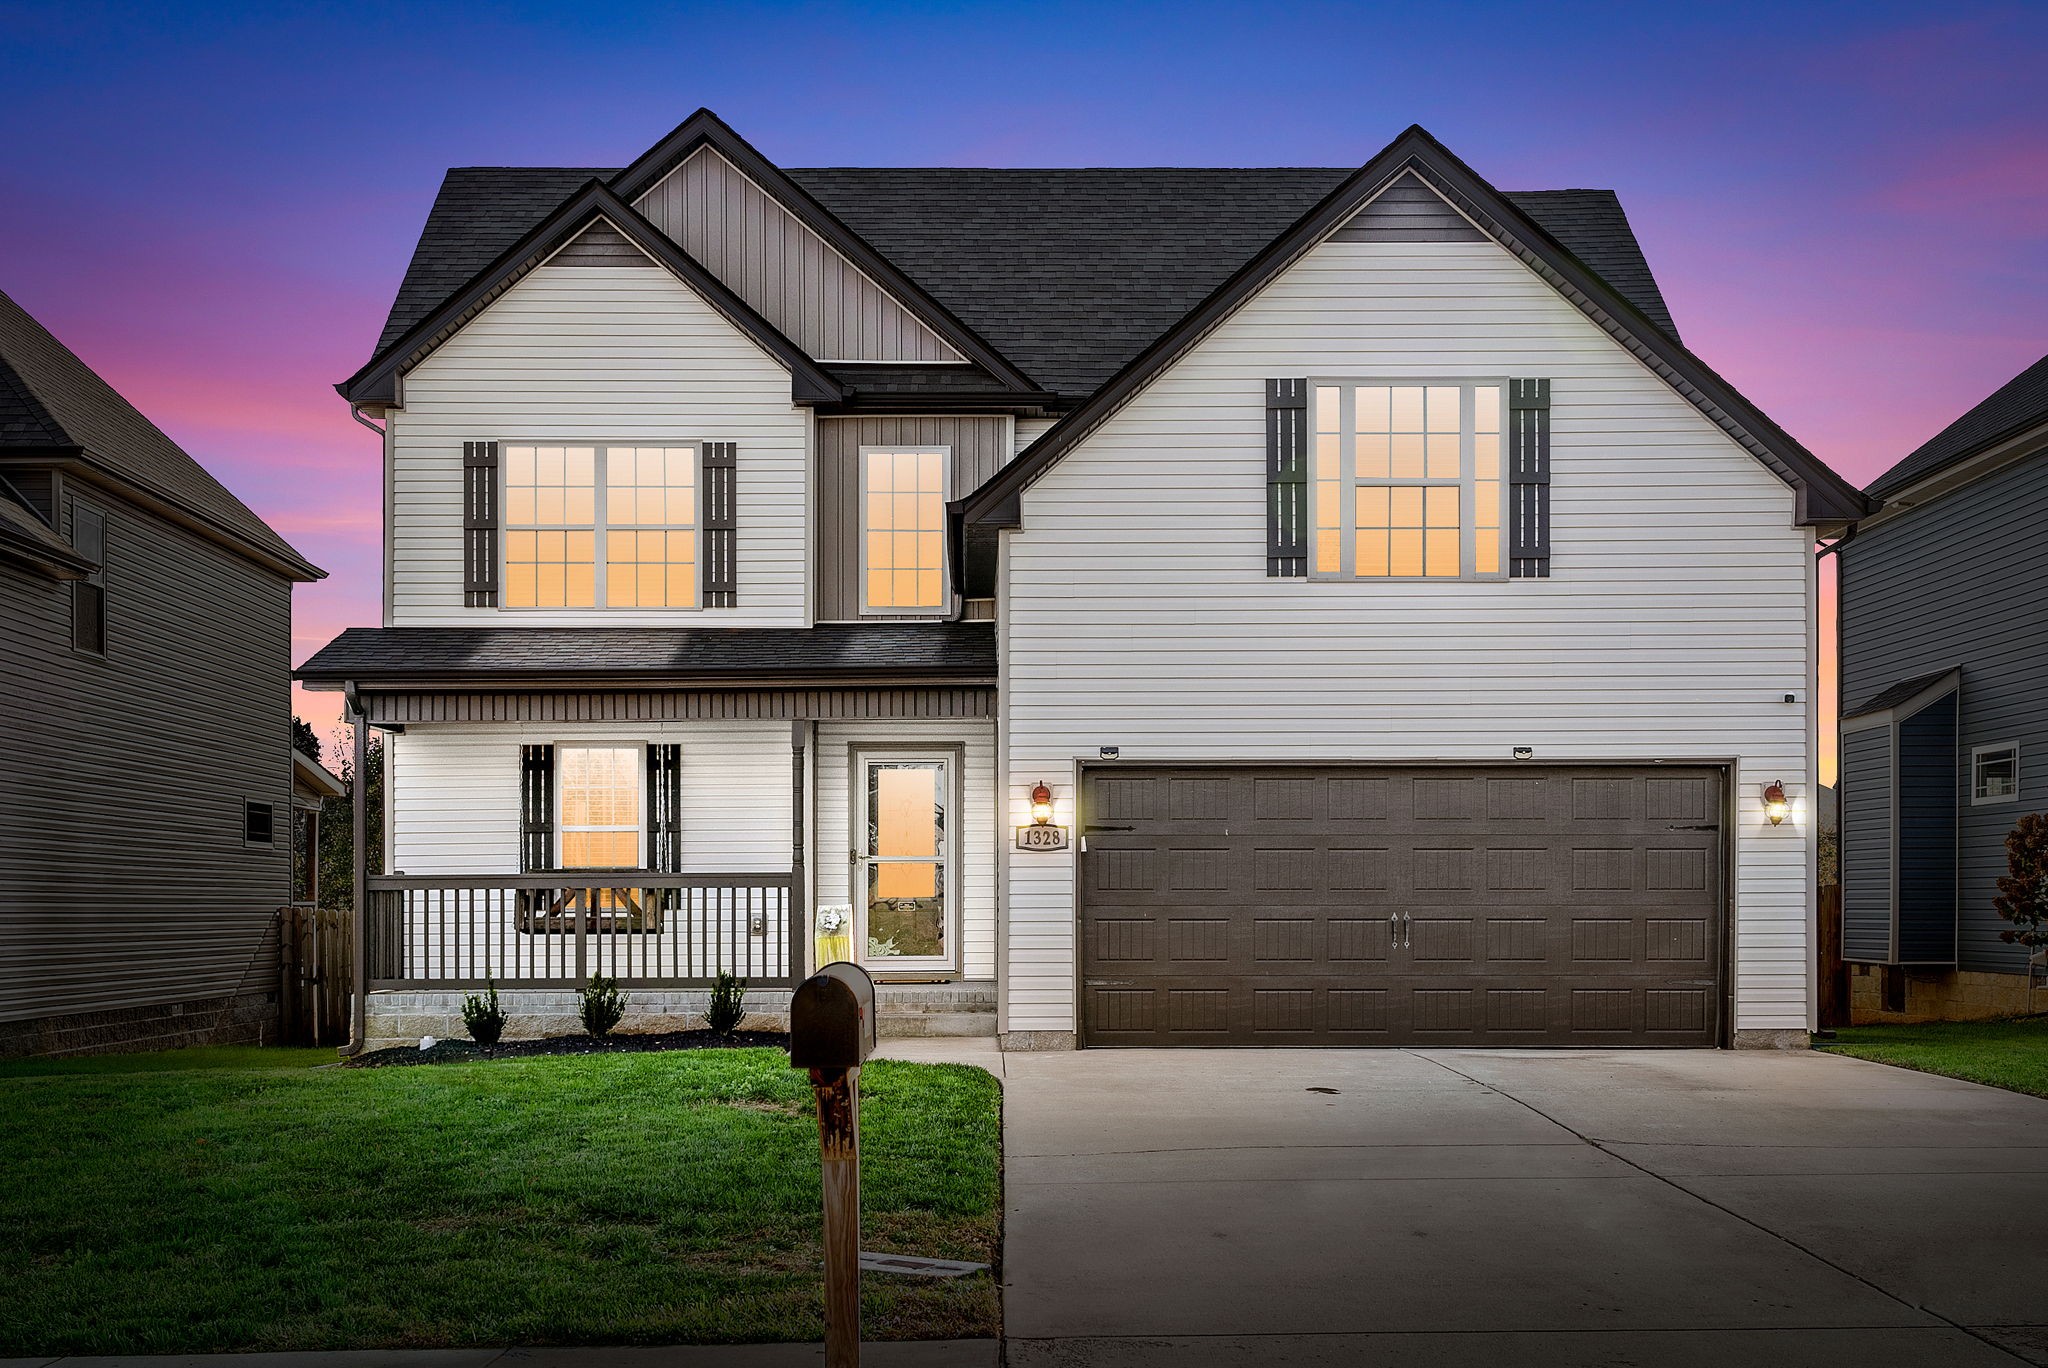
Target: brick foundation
{"x":238,"y":1019}
{"x":1941,"y":995}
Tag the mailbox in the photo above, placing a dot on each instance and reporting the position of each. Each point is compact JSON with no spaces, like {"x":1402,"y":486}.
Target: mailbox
{"x":832,"y":1019}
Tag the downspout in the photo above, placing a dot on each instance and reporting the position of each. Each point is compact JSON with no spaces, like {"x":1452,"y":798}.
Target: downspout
{"x":357,"y":414}
{"x":360,"y":860}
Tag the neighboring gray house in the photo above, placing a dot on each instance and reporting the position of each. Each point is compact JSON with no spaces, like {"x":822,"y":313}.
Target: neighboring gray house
{"x":145,"y":761}
{"x":1944,"y":651}
{"x":1286,"y":605}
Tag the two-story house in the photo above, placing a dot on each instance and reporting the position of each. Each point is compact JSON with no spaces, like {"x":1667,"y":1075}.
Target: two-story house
{"x":1944,"y":651}
{"x":1117,"y":606}
{"x":146,"y":767}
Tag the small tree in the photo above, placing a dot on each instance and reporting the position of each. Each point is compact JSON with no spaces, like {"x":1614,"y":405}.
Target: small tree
{"x":337,"y":822}
{"x":728,"y":1004}
{"x":2023,"y":893}
{"x":482,"y":1015}
{"x":602,"y":1006}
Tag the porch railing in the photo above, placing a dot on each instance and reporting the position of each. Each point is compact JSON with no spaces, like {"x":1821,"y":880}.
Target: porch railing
{"x":557,"y":930}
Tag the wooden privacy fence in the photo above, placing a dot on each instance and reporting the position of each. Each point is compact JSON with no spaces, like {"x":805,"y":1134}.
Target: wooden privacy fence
{"x":316,"y":971}
{"x":559,"y":929}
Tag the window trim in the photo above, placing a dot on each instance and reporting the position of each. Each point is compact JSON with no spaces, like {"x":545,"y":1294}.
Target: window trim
{"x":249,"y":807}
{"x":598,"y":527}
{"x":945,"y":455}
{"x":1349,"y":483}
{"x":560,"y":794}
{"x":953,"y":755}
{"x":95,"y":580}
{"x":1977,"y":754}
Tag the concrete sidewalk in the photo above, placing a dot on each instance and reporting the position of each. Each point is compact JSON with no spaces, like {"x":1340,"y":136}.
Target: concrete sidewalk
{"x":1490,"y":1207}
{"x":914,"y":1354}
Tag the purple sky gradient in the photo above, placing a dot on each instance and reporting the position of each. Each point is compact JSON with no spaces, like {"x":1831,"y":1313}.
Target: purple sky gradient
{"x":212,"y":204}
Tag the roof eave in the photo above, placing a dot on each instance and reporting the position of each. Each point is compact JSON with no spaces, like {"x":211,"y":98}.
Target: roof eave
{"x":377,"y":382}
{"x":1823,"y":497}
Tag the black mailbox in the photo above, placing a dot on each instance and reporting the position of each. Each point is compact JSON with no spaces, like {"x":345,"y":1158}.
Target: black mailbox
{"x":832,"y":1019}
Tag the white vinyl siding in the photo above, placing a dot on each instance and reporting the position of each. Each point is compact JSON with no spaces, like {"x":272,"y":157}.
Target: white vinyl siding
{"x":455,"y":792}
{"x":597,"y":354}
{"x":977,"y":821}
{"x":1137,"y":611}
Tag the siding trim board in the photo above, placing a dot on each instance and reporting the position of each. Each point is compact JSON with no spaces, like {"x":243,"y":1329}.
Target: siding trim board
{"x":378,"y":381}
{"x":1823,"y":497}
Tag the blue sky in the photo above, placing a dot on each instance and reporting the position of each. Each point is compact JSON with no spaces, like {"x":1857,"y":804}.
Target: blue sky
{"x":1845,"y":203}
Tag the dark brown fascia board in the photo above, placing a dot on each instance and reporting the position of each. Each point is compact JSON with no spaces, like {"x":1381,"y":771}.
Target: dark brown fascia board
{"x":706,"y":127}
{"x":77,"y":463}
{"x":603,"y":680}
{"x":1823,"y":498}
{"x":376,"y":383}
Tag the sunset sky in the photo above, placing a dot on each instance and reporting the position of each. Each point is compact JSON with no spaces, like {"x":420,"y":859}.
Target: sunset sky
{"x":212,"y":204}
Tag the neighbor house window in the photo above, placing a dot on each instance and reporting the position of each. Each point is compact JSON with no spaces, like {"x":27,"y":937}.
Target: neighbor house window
{"x":1407,"y":480}
{"x":89,"y":595}
{"x":258,"y":824}
{"x":1995,"y":774}
{"x":903,"y":529}
{"x":614,"y":526}
{"x":600,"y":817}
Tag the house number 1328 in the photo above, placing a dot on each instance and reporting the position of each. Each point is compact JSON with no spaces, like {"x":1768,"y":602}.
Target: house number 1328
{"x":1042,"y":838}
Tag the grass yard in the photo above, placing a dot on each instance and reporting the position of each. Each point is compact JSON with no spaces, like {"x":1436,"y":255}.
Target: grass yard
{"x":2009,"y":1054}
{"x":616,"y":1199}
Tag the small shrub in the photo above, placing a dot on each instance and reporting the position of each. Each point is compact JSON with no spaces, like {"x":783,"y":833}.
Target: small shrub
{"x":602,"y":1006}
{"x":482,"y":1016}
{"x":728,"y":1004}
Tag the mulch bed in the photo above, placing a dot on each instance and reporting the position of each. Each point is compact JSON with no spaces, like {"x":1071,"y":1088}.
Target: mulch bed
{"x":463,"y":1051}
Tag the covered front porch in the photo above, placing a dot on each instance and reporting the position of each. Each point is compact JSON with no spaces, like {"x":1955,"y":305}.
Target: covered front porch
{"x":533,"y":839}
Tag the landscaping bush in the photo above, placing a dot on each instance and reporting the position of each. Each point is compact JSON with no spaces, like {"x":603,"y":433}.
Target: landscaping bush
{"x":728,"y":1004}
{"x":482,"y":1017}
{"x":602,"y":1006}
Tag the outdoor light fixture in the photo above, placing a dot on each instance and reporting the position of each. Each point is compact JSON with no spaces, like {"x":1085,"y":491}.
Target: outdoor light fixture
{"x":1041,"y":804}
{"x":1775,"y":803}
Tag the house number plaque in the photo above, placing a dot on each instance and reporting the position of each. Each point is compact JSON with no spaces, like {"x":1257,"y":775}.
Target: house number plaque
{"x":1042,"y":837}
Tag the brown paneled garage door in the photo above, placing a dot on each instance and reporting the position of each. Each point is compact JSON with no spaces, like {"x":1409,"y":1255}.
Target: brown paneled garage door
{"x":1402,"y":906}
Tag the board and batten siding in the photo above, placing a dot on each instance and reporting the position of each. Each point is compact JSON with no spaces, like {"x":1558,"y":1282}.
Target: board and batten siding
{"x":836,"y":743}
{"x":597,"y":353}
{"x":455,"y":792}
{"x":793,"y":277}
{"x":1956,"y":583}
{"x":124,"y":877}
{"x":1136,"y":610}
{"x":979,"y":448}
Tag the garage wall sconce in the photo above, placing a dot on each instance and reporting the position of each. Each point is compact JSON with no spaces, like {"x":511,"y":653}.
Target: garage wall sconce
{"x":1041,"y":804}
{"x":1776,"y":805}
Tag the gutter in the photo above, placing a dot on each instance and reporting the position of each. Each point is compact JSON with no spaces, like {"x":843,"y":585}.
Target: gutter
{"x":359,"y":854}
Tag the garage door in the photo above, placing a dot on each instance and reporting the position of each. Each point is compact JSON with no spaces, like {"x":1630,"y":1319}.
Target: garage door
{"x":1401,"y":906}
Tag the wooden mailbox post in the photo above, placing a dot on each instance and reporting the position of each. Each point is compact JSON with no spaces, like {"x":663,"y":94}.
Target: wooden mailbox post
{"x":831,"y":1032}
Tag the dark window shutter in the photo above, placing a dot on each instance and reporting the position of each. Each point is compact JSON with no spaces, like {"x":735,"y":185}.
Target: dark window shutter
{"x":1528,"y":478}
{"x":721,"y":460}
{"x":480,"y":524}
{"x":665,"y":808}
{"x":536,"y":808}
{"x":1287,"y":478}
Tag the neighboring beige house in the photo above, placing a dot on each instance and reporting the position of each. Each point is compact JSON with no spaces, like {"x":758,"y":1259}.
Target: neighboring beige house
{"x":1207,"y":607}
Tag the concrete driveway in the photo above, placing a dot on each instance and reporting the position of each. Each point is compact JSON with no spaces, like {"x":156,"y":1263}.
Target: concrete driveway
{"x":1513,"y":1208}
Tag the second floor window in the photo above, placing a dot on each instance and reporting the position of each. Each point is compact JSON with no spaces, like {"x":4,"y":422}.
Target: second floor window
{"x":1406,"y":480}
{"x":600,"y":526}
{"x":903,"y":529}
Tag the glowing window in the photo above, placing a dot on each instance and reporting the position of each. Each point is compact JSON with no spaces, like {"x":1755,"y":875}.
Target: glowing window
{"x":565,"y":547}
{"x":1406,"y":480}
{"x":903,"y":529}
{"x":600,"y":819}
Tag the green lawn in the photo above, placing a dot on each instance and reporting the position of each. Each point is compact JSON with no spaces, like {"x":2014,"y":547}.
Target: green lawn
{"x":647,"y":1198}
{"x":2006,"y":1054}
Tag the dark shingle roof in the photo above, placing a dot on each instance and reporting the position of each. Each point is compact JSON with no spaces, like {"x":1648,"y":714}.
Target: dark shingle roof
{"x":898,"y":651}
{"x":50,"y":398}
{"x":2020,"y":403}
{"x":1067,"y":272}
{"x":1892,"y":695}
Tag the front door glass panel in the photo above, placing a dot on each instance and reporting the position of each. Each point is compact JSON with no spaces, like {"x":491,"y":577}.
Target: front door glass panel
{"x":905,"y":862}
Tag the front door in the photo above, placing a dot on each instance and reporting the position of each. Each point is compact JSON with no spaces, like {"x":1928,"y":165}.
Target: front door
{"x":904,"y":866}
